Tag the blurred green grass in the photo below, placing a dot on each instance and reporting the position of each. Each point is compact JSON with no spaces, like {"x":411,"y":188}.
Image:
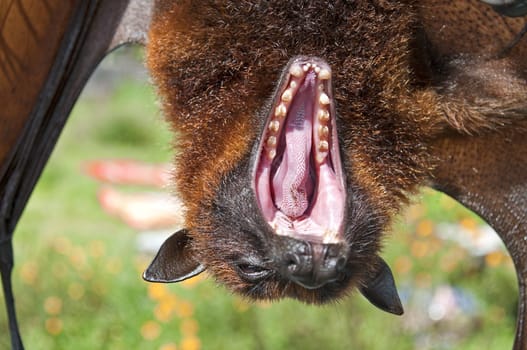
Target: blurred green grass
{"x":77,"y":276}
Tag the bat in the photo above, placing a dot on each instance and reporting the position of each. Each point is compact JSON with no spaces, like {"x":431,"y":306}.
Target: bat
{"x":302,"y":127}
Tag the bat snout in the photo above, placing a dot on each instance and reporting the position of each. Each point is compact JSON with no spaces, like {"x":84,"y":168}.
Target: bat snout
{"x":313,"y":265}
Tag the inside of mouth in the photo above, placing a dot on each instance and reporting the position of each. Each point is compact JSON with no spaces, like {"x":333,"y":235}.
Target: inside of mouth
{"x":298,"y":177}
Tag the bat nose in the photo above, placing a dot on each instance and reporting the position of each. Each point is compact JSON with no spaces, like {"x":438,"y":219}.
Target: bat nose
{"x":313,"y":265}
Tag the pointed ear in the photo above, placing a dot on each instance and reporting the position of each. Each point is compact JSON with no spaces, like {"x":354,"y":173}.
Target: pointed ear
{"x":380,"y":290}
{"x":175,"y":261}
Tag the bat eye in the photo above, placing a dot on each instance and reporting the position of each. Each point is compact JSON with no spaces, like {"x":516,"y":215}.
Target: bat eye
{"x":252,"y":272}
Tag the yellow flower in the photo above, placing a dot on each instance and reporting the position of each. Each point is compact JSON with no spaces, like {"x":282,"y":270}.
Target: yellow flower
{"x":191,"y":343}
{"x":403,"y":264}
{"x":97,"y":248}
{"x":189,"y":327}
{"x":184,"y":309}
{"x":192,"y":282}
{"x":165,"y":310}
{"x":150,"y":330}
{"x":29,"y":272}
{"x":424,"y":228}
{"x":157,"y":291}
{"x":494,"y":259}
{"x":168,"y":346}
{"x":76,"y":291}
{"x":54,"y":326}
{"x":53,"y":305}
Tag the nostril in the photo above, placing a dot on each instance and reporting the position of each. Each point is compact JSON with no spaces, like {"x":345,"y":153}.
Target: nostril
{"x":341,"y":264}
{"x":314,"y":264}
{"x":292,"y":261}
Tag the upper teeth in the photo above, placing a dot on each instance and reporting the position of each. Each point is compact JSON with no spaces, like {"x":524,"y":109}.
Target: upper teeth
{"x":297,"y":72}
{"x":271,"y":141}
{"x":274,"y":125}
{"x":324,"y":99}
{"x":287,"y":95}
{"x":323,"y":115}
{"x":323,"y":131}
{"x":324,"y":74}
{"x":281,"y":110}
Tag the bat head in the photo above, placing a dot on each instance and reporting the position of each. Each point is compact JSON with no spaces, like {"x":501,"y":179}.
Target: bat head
{"x":293,"y":153}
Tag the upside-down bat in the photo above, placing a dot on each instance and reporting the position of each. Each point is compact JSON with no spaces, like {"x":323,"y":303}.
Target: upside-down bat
{"x":302,"y":127}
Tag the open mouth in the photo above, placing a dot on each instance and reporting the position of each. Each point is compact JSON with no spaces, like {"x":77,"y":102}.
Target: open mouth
{"x":298,"y":176}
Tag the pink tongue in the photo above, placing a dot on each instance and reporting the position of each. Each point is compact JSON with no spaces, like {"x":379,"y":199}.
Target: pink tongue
{"x":293,"y":184}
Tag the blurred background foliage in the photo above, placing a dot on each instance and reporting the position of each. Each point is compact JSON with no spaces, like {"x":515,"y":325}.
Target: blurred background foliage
{"x":78,"y":270}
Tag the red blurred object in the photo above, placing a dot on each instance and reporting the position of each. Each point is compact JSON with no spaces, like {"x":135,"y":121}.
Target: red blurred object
{"x":129,"y":172}
{"x":139,"y":210}
{"x":142,"y":210}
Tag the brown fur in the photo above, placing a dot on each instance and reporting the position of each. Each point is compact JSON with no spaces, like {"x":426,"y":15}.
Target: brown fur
{"x":399,"y":85}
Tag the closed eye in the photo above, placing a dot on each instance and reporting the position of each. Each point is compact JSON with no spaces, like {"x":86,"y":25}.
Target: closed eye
{"x":252,"y":272}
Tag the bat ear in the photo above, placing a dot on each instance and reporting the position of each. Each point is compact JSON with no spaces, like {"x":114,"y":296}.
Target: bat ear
{"x":380,"y":290}
{"x":175,"y":261}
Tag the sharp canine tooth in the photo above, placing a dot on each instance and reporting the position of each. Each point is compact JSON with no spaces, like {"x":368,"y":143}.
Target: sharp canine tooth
{"x":281,"y":110}
{"x":323,"y":146}
{"x":296,"y":70}
{"x":287,"y":95}
{"x":274,"y":125}
{"x":305,"y":67}
{"x":323,"y":115}
{"x":271,"y":141}
{"x":324,"y":99}
{"x":324,"y":74}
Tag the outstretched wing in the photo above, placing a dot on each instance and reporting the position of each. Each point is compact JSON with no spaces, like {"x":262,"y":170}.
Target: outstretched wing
{"x":39,"y":83}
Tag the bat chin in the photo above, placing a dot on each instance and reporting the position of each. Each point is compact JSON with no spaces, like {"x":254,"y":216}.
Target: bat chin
{"x":298,"y":176}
